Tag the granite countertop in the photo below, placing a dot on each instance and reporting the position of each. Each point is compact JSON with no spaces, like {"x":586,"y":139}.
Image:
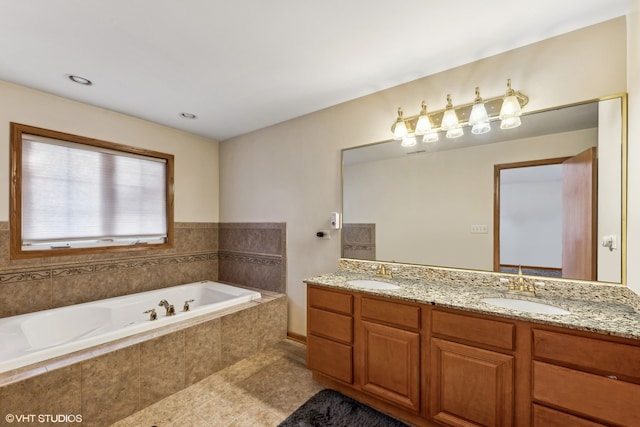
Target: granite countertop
{"x":606,"y":318}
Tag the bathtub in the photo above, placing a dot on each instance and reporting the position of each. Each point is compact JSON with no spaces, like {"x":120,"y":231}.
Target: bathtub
{"x":36,"y":337}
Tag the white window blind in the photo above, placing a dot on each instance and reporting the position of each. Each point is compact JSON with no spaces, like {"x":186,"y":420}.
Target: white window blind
{"x":76,"y":195}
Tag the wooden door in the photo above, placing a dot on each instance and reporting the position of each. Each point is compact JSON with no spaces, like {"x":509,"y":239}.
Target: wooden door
{"x":391,"y":364}
{"x":579,"y":216}
{"x":471,"y":386}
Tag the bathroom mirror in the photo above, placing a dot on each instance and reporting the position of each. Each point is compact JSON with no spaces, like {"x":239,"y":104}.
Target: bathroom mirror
{"x":498,"y":200}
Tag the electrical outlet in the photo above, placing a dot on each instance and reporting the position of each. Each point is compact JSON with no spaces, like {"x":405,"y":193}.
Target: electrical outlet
{"x":479,"y":229}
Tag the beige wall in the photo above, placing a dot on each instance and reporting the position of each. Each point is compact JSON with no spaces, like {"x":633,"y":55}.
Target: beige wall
{"x":196,"y":158}
{"x":291,"y":171}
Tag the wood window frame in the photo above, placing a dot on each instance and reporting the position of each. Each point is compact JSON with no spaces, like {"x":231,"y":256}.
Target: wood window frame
{"x":15,"y":199}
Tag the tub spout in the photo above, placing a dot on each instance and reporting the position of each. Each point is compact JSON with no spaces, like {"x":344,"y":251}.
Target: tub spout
{"x":168,"y":307}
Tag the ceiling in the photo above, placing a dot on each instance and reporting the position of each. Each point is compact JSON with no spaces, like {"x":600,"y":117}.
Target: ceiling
{"x":242,"y":65}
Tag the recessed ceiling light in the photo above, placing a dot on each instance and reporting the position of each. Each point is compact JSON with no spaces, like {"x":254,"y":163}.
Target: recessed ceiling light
{"x":79,"y":80}
{"x":188,"y":116}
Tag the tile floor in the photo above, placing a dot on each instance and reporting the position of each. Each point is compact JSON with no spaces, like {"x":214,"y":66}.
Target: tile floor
{"x":261,"y":390}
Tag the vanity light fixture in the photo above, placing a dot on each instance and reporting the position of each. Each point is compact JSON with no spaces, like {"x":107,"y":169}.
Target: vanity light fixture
{"x":510,"y":111}
{"x":477,"y":114}
{"x":479,"y":119}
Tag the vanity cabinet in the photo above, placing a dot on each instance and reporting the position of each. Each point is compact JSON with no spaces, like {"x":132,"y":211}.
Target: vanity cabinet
{"x":590,"y":377}
{"x":439,"y":366}
{"x":390,"y":356}
{"x":330,"y":333}
{"x":471,"y":385}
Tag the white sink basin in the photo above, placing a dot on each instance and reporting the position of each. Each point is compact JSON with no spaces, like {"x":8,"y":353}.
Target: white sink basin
{"x":527,"y":306}
{"x":372,"y":284}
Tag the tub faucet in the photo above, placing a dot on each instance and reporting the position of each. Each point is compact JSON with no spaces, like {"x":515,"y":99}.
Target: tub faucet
{"x":186,"y":304}
{"x":170,"y":310}
{"x":152,"y":314}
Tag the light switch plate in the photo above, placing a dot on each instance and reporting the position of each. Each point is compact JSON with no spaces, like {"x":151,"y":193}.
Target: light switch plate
{"x":479,"y":229}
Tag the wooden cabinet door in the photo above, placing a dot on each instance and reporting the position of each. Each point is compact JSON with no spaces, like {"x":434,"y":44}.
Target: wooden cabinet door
{"x":391,"y":364}
{"x":471,"y":386}
{"x":330,"y":358}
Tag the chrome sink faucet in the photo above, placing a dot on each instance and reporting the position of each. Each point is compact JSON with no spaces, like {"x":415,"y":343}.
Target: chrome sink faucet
{"x":168,"y":307}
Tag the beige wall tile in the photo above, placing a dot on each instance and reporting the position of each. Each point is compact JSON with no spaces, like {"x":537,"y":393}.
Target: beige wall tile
{"x":203,"y":350}
{"x":239,"y":335}
{"x":111,"y":386}
{"x":272,"y":323}
{"x":79,"y":288}
{"x":255,"y":271}
{"x":265,"y":238}
{"x":162,"y":365}
{"x":56,"y":392}
{"x":24,"y":297}
{"x":196,"y":239}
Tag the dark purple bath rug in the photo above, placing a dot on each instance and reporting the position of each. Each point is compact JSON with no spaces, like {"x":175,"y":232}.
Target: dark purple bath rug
{"x":329,"y":408}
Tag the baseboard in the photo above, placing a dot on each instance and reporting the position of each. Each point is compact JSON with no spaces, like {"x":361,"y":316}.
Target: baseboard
{"x":302,"y":339}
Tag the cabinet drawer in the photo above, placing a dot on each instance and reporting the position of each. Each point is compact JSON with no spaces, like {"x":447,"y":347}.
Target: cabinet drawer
{"x":481,"y":331}
{"x":330,"y":325}
{"x":586,"y":394}
{"x":547,"y":417}
{"x":330,"y":300}
{"x":608,"y":358}
{"x":393,"y":313}
{"x":330,"y":358}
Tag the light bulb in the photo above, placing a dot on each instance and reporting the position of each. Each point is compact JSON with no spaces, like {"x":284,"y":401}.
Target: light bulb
{"x":449,"y":119}
{"x":400,"y":128}
{"x":409,"y":141}
{"x":510,"y":105}
{"x":479,"y":118}
{"x":510,"y":123}
{"x":454,"y":133}
{"x":430,"y":137}
{"x":480,"y":128}
{"x":424,"y":125}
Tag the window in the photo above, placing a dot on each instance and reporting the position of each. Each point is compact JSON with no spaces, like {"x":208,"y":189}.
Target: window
{"x":73,"y":195}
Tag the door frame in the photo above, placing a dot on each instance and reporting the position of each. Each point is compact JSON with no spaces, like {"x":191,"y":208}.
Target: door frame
{"x":496,"y":197}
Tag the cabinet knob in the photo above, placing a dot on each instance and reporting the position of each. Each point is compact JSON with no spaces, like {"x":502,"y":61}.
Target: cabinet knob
{"x":612,"y":377}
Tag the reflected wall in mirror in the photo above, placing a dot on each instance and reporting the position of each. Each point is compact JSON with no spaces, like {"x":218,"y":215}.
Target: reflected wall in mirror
{"x":479,"y":202}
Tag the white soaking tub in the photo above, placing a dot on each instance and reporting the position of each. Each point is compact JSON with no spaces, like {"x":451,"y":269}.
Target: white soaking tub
{"x":39,"y":336}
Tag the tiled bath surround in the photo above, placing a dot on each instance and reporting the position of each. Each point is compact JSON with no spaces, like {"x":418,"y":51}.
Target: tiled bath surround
{"x":250,"y":254}
{"x":112,"y":381}
{"x":138,"y":371}
{"x":42,"y":283}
